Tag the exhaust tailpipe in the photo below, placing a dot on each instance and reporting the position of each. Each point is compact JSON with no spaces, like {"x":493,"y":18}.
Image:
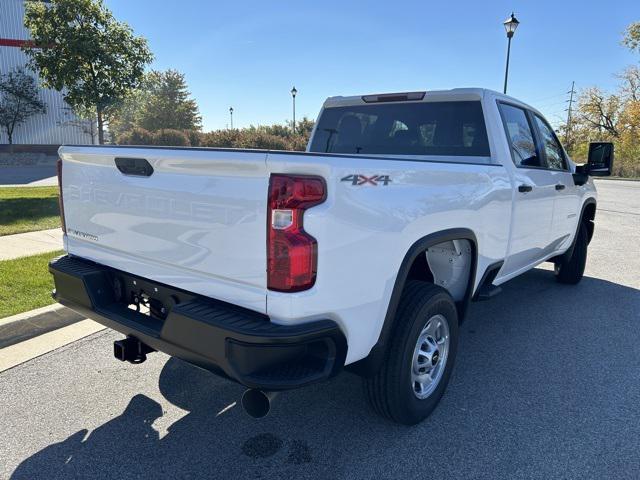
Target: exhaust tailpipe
{"x":257,"y":403}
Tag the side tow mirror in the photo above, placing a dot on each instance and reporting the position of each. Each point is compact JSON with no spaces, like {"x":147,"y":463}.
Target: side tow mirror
{"x":600,"y":160}
{"x":599,"y":163}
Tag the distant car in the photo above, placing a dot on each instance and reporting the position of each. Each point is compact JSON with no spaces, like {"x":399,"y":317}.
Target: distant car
{"x":279,"y":269}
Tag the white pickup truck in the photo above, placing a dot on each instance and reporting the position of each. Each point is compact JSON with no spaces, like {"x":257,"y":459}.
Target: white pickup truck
{"x":280,"y":269}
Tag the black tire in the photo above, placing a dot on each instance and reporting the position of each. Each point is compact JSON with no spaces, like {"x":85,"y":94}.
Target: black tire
{"x":390,"y":392}
{"x":570,"y":270}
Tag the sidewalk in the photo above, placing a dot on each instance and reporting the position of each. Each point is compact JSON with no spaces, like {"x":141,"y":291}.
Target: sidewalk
{"x":30,"y":243}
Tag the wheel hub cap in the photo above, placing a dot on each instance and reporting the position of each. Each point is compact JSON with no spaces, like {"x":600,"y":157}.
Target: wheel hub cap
{"x":430,"y":356}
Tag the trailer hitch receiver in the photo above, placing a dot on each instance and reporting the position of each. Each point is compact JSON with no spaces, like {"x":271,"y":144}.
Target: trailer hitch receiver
{"x":131,"y":350}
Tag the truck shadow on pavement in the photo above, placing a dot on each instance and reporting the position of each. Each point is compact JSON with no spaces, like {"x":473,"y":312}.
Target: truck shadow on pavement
{"x":541,"y":366}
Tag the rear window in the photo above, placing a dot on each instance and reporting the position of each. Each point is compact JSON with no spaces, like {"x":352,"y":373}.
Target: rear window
{"x":431,"y":128}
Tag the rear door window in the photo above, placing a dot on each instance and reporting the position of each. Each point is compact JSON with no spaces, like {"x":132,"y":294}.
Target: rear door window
{"x":520,"y":135}
{"x":552,"y":149}
{"x":420,"y":128}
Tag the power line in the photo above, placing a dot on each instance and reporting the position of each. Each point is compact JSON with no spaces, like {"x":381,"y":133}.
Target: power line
{"x":549,"y":97}
{"x":551,"y":104}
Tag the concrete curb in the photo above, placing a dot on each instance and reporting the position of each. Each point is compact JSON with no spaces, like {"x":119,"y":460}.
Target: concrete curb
{"x":28,"y":335}
{"x":24,"y":351}
{"x":24,"y":326}
{"x":55,"y":307}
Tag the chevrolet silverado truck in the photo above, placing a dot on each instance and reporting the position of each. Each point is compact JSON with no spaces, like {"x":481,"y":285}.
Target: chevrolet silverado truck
{"x":281,"y":269}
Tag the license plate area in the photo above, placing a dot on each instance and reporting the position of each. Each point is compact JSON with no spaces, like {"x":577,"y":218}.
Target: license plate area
{"x":145,"y":297}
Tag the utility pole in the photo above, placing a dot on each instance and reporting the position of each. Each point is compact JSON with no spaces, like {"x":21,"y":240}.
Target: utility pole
{"x":567,"y":132}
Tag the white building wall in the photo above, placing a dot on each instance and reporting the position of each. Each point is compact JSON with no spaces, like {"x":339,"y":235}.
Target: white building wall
{"x":59,"y":125}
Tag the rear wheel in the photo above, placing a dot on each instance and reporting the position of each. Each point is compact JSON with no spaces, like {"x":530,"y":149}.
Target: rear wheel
{"x":420,"y":358}
{"x":570,"y":270}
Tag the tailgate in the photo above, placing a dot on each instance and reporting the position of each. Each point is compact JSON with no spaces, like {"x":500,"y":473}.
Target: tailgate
{"x":197,"y":222}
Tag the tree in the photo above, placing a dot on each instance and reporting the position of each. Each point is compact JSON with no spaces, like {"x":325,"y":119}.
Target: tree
{"x":82,"y":119}
{"x":169,"y":105}
{"x":18,"y":100}
{"x":630,"y":88}
{"x":125,"y":115}
{"x":600,"y":110}
{"x":162,"y":102}
{"x":83,"y":50}
{"x":631,"y":38}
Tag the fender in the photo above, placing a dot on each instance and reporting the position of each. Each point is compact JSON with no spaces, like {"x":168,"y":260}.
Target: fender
{"x":369,"y":365}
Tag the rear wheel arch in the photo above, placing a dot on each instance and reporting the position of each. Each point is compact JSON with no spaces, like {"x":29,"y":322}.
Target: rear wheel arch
{"x":588,"y":216}
{"x":410,"y":264}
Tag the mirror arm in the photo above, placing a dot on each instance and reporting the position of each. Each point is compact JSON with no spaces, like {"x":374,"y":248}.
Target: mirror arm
{"x":583,"y":169}
{"x":582,"y":174}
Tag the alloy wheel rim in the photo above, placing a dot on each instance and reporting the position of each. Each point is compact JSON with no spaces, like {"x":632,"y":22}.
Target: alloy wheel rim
{"x":430,"y":356}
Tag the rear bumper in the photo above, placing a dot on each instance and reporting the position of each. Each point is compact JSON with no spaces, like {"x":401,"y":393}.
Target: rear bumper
{"x":223,"y":338}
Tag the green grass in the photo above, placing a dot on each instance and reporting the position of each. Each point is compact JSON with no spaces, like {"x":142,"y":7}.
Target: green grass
{"x":25,"y":283}
{"x":26,"y":209}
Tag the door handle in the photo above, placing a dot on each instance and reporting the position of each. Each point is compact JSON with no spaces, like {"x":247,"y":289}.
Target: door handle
{"x":560,"y":186}
{"x":139,"y":167}
{"x":525,"y":188}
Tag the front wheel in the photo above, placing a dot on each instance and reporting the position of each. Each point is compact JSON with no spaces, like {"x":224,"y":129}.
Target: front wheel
{"x":570,"y":270}
{"x":421,"y":355}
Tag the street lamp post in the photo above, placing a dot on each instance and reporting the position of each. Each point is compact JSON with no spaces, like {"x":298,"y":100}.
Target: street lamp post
{"x":510,"y":25}
{"x":231,"y":116}
{"x":293,"y":96}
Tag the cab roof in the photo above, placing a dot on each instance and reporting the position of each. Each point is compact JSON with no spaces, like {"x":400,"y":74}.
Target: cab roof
{"x":458,"y":94}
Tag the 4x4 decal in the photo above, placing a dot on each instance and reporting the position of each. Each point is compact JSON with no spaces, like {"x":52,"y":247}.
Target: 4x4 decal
{"x":374,"y":180}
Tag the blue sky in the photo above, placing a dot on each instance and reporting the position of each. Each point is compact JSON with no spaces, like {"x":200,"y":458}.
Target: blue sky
{"x":248,"y":54}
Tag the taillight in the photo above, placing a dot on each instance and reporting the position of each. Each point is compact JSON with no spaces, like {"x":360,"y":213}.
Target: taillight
{"x":60,"y":200}
{"x":292,"y":254}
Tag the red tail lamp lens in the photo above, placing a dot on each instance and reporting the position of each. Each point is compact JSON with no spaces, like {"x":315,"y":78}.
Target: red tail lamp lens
{"x":292,"y":254}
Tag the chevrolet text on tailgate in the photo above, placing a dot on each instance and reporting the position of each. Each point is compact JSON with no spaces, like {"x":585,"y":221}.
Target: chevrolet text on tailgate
{"x":280,"y":269}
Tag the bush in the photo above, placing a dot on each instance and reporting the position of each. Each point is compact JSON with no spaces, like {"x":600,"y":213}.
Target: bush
{"x":262,"y":140}
{"x":194,"y":137}
{"x":135,"y":136}
{"x":268,"y":137}
{"x":255,"y":137}
{"x":298,"y":143}
{"x":170,"y":137}
{"x":277,"y":130}
{"x":247,"y":138}
{"x":221,"y":139}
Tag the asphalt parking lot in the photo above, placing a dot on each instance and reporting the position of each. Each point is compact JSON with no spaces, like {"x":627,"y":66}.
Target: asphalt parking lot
{"x":36,"y":176}
{"x":547,"y":385}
